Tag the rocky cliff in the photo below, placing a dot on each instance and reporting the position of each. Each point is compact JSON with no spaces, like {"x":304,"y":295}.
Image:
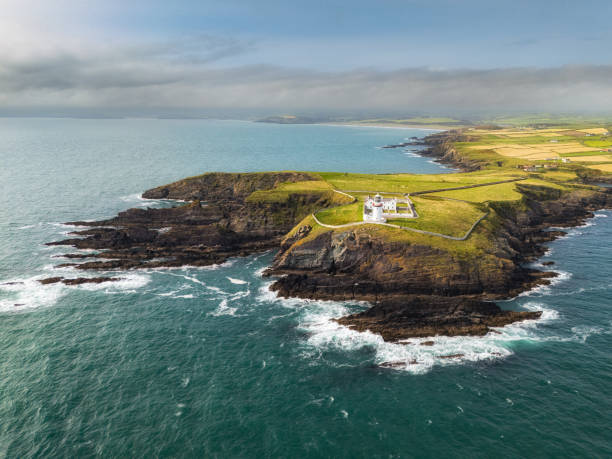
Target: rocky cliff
{"x":417,"y":286}
{"x":419,"y":289}
{"x":355,"y":263}
{"x":197,"y":233}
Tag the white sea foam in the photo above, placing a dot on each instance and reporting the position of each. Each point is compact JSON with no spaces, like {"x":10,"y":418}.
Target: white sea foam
{"x":195,"y":280}
{"x":239,"y":295}
{"x":137,"y":199}
{"x":541,"y":290}
{"x":581,"y":333}
{"x":236,"y":281}
{"x":23,"y":294}
{"x":223,"y":309}
{"x":127,"y":283}
{"x":316,"y":318}
{"x":598,"y":215}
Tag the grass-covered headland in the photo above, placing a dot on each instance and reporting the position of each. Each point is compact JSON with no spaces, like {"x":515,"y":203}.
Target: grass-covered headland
{"x":473,"y":232}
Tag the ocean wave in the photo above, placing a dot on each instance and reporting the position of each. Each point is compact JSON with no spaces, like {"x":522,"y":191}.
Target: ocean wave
{"x":238,"y":295}
{"x":316,"y":318}
{"x":28,"y":293}
{"x":138,"y":200}
{"x":236,"y":281}
{"x":127,"y":283}
{"x":223,"y":309}
{"x":541,"y":290}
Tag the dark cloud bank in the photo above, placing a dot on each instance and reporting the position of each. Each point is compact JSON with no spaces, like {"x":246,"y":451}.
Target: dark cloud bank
{"x":151,"y":80}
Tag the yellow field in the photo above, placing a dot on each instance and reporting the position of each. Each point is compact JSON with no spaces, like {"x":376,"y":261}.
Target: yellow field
{"x":542,"y":148}
{"x":487,"y":147}
{"x":571,"y":149}
{"x":591,"y":159}
{"x":595,"y":131}
{"x":602,"y":167}
{"x":536,"y":151}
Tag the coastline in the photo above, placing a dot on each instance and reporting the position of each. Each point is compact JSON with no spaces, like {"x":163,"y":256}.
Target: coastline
{"x":426,"y":127}
{"x":331,"y":266}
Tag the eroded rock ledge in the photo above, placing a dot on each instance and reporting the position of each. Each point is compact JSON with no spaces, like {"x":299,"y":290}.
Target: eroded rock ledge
{"x":197,"y":233}
{"x":418,"y":316}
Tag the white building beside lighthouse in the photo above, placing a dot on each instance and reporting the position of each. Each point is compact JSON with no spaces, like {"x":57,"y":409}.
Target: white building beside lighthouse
{"x":378,"y":209}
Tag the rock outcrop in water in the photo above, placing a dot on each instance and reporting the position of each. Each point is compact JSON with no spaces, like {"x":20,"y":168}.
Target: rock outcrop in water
{"x":418,"y":316}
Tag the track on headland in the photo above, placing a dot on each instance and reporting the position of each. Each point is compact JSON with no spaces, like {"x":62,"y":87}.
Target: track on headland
{"x":407,"y":228}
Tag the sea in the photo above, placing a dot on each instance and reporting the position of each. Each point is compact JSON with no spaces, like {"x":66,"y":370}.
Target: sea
{"x":207,"y":362}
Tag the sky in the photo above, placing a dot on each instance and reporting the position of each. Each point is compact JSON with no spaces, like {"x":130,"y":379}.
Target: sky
{"x":269,"y":56}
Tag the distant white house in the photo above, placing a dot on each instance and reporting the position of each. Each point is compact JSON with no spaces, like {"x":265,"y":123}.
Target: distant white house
{"x":378,"y":209}
{"x":566,"y":160}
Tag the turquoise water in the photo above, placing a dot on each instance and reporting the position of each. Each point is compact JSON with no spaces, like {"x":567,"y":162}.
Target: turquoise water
{"x":208,"y":363}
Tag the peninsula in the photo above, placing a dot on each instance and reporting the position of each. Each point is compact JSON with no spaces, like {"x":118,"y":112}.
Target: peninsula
{"x":431,"y":260}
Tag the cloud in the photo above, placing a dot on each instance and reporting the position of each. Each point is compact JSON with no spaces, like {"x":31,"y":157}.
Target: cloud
{"x":189,"y":73}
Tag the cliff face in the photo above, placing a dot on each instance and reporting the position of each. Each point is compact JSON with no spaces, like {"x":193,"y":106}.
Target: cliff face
{"x":355,"y":264}
{"x":417,"y":289}
{"x":441,"y":146}
{"x":196,"y":233}
{"x":218,"y":186}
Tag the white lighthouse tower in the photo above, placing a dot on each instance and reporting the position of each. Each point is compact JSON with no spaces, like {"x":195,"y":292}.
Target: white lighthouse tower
{"x":373,"y":209}
{"x":377,"y":209}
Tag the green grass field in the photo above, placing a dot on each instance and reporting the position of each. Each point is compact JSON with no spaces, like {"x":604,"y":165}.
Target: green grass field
{"x":438,"y":215}
{"x":410,"y":183}
{"x":341,"y":215}
{"x":450,"y":212}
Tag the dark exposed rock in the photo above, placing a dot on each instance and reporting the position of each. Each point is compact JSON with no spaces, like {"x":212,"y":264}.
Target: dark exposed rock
{"x":404,"y":144}
{"x":355,"y":265}
{"x":224,"y":186}
{"x":418,"y":316}
{"x":78,"y":280}
{"x":397,"y":364}
{"x":50,"y":280}
{"x":417,"y":290}
{"x":196,"y":234}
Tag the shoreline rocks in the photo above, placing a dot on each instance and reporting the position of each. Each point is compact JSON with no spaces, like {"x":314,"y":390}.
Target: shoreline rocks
{"x":78,"y":280}
{"x":421,"y":316}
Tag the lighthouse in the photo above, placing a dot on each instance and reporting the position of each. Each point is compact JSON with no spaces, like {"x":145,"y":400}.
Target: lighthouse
{"x":377,"y":209}
{"x":373,"y":209}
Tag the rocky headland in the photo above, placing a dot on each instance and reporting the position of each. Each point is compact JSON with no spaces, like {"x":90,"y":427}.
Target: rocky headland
{"x":415,"y":288}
